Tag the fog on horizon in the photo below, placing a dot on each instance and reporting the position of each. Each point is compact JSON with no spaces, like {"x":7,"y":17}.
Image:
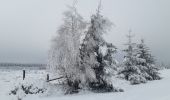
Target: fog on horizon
{"x":27,"y":26}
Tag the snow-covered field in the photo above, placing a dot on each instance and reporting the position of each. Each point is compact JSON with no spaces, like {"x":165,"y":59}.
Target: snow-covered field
{"x":10,"y":78}
{"x":154,"y":90}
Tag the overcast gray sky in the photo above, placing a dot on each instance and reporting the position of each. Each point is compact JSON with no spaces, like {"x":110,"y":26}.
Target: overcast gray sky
{"x":26,"y":26}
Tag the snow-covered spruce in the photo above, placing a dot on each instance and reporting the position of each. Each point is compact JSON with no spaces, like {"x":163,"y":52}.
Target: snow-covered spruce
{"x":95,"y":64}
{"x":147,"y":62}
{"x":130,"y":70}
{"x":138,"y":65}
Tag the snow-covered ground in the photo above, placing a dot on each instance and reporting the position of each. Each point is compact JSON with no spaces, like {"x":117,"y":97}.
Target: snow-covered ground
{"x":154,"y":90}
{"x":10,"y":78}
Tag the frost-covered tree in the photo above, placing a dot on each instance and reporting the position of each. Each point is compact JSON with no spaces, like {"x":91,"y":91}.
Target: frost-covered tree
{"x":131,"y":71}
{"x":147,"y":62}
{"x":93,"y":61}
{"x":64,"y":54}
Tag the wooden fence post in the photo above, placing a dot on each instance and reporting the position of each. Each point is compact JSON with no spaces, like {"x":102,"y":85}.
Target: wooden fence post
{"x":23,"y":74}
{"x":48,"y":77}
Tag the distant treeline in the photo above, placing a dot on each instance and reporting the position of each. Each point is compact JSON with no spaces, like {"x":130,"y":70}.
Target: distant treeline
{"x":20,"y":65}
